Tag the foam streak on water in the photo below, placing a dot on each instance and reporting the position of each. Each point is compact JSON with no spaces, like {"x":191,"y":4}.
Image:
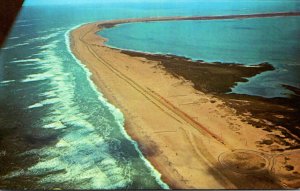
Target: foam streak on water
{"x":81,"y":153}
{"x":88,"y":154}
{"x":117,"y":113}
{"x":56,"y":126}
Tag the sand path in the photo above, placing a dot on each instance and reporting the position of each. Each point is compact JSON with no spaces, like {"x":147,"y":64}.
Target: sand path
{"x":180,"y":130}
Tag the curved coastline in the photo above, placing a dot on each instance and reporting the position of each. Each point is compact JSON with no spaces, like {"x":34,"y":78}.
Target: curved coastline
{"x":116,"y":112}
{"x":111,"y":70}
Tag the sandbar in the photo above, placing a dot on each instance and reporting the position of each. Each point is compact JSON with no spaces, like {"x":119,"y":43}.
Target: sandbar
{"x":196,"y":136}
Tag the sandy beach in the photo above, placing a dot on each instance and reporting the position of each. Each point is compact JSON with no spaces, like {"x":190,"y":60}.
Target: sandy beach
{"x":196,"y":137}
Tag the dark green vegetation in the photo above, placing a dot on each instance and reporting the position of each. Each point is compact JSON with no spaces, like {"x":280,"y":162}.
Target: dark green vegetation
{"x":217,"y":78}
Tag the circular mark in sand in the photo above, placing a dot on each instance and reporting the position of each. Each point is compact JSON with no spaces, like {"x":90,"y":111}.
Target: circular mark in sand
{"x":244,"y":161}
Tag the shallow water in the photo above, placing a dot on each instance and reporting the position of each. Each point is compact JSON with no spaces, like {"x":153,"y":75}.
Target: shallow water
{"x":88,"y":147}
{"x":246,"y":41}
{"x":56,"y":129}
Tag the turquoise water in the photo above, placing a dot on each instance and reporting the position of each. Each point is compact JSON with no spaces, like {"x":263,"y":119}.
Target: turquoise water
{"x":77,"y":137}
{"x":56,"y":129}
{"x":247,"y":41}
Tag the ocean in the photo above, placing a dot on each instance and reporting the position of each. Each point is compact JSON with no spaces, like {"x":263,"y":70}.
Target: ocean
{"x":56,"y":129}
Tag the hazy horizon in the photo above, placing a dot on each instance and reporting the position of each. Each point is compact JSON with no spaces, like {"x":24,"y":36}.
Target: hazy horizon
{"x":68,"y":2}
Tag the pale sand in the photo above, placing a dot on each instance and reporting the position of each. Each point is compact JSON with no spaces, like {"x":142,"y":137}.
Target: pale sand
{"x":188,"y":139}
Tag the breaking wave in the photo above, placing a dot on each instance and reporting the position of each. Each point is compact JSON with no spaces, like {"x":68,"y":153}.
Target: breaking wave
{"x":81,"y":157}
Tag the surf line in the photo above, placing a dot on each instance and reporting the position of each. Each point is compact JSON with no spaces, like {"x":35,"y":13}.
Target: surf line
{"x":112,"y":23}
{"x":118,"y":115}
{"x":97,"y":26}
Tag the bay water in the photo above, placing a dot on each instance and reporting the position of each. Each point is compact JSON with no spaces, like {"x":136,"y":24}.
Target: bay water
{"x":56,"y":128}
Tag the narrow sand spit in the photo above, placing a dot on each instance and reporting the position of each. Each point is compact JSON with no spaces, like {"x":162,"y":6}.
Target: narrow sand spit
{"x":192,"y":138}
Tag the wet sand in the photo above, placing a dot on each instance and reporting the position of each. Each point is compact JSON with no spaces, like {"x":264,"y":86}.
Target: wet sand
{"x":194,"y":134}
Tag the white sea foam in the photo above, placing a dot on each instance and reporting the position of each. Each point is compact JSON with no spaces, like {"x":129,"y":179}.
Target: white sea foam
{"x":14,"y":37}
{"x":44,"y":38}
{"x":15,"y":46}
{"x":81,"y":150}
{"x":51,"y":65}
{"x":59,"y":29}
{"x":48,"y":93}
{"x":117,"y":113}
{"x":26,"y":60}
{"x":82,"y":154}
{"x":7,"y":81}
{"x":55,"y":125}
{"x":45,"y":102}
{"x":36,"y":105}
{"x":52,"y":35}
{"x":48,"y":46}
{"x":36,"y":77}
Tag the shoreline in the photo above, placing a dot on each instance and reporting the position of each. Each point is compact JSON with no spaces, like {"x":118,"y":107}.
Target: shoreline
{"x":186,"y":144}
{"x":156,"y":174}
